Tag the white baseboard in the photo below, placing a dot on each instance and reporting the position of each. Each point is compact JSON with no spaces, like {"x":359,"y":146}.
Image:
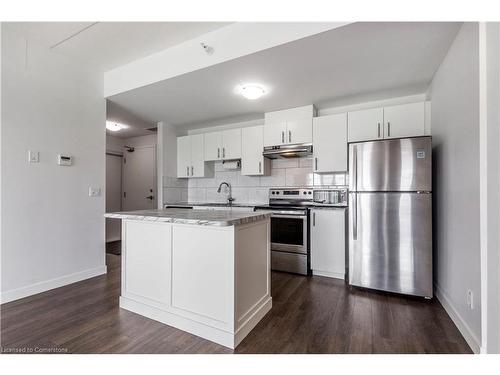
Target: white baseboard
{"x":43,"y":286}
{"x":335,"y":275}
{"x":462,"y":326}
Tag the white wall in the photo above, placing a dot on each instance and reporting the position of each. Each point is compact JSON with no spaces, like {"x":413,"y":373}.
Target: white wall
{"x":455,"y":129}
{"x":114,"y":144}
{"x":53,"y":232}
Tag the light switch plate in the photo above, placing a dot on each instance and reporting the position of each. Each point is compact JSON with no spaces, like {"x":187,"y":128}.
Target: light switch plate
{"x":94,"y":191}
{"x":33,"y":156}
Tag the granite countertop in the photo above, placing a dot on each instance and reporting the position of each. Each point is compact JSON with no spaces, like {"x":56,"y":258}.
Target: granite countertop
{"x":191,"y":204}
{"x":221,"y":218}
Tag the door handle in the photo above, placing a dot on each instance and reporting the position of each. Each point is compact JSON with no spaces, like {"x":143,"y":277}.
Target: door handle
{"x":282,"y":137}
{"x":355,"y":218}
{"x":223,"y":152}
{"x":218,"y":153}
{"x":260,"y":167}
{"x":150,"y":197}
{"x":315,"y":164}
{"x":192,"y":168}
{"x":289,"y":136}
{"x":314,"y":219}
{"x":355,"y":167}
{"x":388,"y":129}
{"x":379,"y":129}
{"x":187,"y":171}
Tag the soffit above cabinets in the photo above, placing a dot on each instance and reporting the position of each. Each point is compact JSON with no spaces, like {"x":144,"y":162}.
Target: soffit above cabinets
{"x":355,"y":60}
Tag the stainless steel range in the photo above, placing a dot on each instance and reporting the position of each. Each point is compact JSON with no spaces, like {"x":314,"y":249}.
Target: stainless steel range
{"x":290,"y":229}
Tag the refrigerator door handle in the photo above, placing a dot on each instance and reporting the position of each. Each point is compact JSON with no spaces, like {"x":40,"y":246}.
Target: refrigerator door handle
{"x":355,"y":218}
{"x":355,"y":167}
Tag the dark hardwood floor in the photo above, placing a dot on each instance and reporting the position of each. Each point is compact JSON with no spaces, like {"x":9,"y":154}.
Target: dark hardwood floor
{"x":309,"y":315}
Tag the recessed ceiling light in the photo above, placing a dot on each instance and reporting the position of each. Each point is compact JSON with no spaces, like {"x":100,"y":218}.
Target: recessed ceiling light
{"x":115,"y":126}
{"x":251,"y":91}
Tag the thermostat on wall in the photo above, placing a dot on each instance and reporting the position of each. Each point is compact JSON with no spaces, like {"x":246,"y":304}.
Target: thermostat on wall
{"x":64,"y":159}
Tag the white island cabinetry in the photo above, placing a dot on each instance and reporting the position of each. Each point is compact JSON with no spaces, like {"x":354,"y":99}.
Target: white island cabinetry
{"x":209,"y":278}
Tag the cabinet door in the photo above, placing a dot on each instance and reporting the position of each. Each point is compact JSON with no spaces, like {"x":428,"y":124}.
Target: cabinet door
{"x":330,"y":143}
{"x":252,"y":161}
{"x":231,"y":144}
{"x":183,"y":156}
{"x":197,"y":167}
{"x":299,"y":131}
{"x":146,"y":252}
{"x":406,"y":120}
{"x":365,"y":125}
{"x":328,"y":242}
{"x":213,"y":146}
{"x":274,"y":133}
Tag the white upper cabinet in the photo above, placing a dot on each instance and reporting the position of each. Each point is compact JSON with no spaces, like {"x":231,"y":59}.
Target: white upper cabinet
{"x":213,"y":146}
{"x":330,"y":143}
{"x":231,"y":144}
{"x":274,"y":133}
{"x":289,"y":126}
{"x":252,"y":161}
{"x":366,"y":125}
{"x":183,"y":156}
{"x":406,"y":120}
{"x":191,"y":156}
{"x":328,"y":244}
{"x":223,"y":145}
{"x":299,"y":130}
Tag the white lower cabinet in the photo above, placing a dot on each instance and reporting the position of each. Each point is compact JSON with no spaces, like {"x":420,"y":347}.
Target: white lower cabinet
{"x":328,"y":244}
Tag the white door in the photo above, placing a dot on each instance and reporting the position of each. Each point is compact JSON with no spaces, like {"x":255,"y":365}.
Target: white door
{"x":299,"y":131}
{"x":252,"y":161}
{"x":183,"y":156}
{"x":213,"y":146}
{"x":406,"y":120}
{"x":330,"y":143}
{"x":113,"y":195}
{"x":197,"y":166}
{"x":139,"y":179}
{"x":328,"y":242}
{"x":365,"y":125}
{"x":231,"y":144}
{"x":274,"y":133}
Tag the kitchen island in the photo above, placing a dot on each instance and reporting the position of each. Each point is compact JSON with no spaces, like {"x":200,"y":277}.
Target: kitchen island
{"x":205,"y":272}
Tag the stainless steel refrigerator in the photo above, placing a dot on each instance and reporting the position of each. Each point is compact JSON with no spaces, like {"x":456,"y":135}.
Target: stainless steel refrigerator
{"x":390,"y":215}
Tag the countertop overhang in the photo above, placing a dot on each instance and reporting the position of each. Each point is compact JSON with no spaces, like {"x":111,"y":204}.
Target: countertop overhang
{"x":221,"y":218}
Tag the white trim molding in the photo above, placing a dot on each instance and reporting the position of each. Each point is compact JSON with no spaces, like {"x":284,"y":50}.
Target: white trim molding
{"x":43,"y":286}
{"x":462,"y":326}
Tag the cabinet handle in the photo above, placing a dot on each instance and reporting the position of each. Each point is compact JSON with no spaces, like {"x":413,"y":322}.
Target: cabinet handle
{"x":289,"y":136}
{"x":187,"y":171}
{"x":379,"y":129}
{"x":223,"y":152}
{"x":218,"y":153}
{"x":315,"y":164}
{"x":388,"y":129}
{"x":260,"y":167}
{"x":192,"y":170}
{"x":314,"y":219}
{"x":282,"y":137}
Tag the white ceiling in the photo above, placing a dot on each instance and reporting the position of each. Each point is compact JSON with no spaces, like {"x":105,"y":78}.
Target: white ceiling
{"x":354,"y":60}
{"x":136,"y":125}
{"x":106,"y":45}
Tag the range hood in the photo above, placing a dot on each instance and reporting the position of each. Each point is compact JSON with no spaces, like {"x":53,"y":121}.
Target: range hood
{"x":288,"y":151}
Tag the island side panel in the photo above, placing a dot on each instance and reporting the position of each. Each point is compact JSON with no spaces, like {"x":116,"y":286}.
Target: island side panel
{"x":252,"y":276}
{"x":146,"y":253}
{"x":203,"y":274}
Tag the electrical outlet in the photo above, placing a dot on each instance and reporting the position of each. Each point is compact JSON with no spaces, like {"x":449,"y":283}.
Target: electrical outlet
{"x":33,"y":156}
{"x":470,"y":299}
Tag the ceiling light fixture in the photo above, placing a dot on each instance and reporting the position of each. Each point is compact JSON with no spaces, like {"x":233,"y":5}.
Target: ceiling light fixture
{"x":251,"y":91}
{"x":115,"y":126}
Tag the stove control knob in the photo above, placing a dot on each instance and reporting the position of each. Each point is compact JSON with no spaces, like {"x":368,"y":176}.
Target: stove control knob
{"x":309,"y":193}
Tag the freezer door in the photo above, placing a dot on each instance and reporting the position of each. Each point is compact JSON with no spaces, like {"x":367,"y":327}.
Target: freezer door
{"x":390,"y":242}
{"x":391,"y":165}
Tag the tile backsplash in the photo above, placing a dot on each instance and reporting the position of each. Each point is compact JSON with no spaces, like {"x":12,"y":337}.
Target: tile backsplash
{"x":295,"y":172}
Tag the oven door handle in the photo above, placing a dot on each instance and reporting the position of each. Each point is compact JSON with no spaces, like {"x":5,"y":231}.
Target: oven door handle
{"x":302,"y":217}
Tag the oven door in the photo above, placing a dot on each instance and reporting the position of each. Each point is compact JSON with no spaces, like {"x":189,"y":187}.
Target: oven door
{"x":289,"y":233}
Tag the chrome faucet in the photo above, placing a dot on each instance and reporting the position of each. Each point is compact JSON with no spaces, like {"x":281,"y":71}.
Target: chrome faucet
{"x":230,"y":198}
